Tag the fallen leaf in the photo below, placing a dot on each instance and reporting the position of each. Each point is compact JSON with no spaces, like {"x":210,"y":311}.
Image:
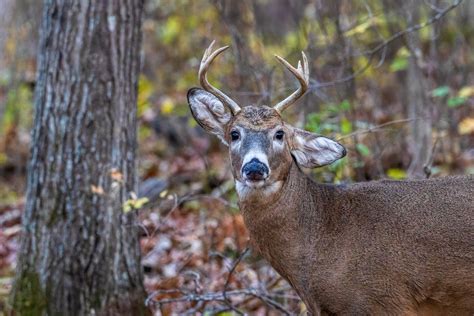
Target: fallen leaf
{"x":116,"y":175}
{"x":97,"y":190}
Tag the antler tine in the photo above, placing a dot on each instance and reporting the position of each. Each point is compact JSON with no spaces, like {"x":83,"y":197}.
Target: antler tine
{"x":302,"y":74}
{"x":206,"y":61}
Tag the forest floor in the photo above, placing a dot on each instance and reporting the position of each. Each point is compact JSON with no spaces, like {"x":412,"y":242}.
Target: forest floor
{"x":190,"y":258}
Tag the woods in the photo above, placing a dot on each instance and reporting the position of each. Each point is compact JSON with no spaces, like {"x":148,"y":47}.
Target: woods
{"x":127,"y":204}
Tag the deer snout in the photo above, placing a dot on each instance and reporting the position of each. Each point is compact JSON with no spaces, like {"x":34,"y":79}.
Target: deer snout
{"x":255,"y":170}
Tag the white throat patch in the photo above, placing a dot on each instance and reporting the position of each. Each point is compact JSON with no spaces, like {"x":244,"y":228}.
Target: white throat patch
{"x":245,"y":190}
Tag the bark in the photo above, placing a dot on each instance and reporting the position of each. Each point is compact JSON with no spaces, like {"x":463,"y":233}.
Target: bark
{"x":80,"y":251}
{"x":420,"y":141}
{"x":419,"y":105}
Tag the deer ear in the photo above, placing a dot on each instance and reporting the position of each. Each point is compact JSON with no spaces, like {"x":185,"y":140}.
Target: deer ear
{"x":209,"y":112}
{"x":311,"y":150}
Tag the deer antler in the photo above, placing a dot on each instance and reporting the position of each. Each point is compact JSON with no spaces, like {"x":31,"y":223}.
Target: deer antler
{"x":302,"y":74}
{"x":206,"y":61}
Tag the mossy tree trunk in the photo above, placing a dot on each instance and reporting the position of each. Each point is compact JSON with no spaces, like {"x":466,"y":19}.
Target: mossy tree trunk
{"x":80,"y":253}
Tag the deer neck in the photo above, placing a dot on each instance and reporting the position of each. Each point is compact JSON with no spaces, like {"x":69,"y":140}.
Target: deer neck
{"x":283,"y":226}
{"x":273,"y":215}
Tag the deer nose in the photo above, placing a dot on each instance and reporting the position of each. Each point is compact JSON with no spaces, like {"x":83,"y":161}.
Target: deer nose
{"x":255,"y":170}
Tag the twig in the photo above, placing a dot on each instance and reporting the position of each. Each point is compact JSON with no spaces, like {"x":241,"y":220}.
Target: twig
{"x":415,"y":27}
{"x":155,"y":293}
{"x":275,"y":304}
{"x":227,"y":282}
{"x":205,"y":297}
{"x":219,"y":297}
{"x":192,"y":197}
{"x":376,"y":128}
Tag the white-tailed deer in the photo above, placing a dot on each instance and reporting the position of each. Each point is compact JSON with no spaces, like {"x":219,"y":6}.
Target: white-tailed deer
{"x":375,"y":248}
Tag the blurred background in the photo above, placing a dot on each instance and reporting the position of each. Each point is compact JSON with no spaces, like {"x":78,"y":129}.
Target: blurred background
{"x":391,"y":80}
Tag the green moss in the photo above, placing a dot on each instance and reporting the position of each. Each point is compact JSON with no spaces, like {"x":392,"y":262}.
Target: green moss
{"x":7,"y":195}
{"x":53,"y":217}
{"x":28,"y":298}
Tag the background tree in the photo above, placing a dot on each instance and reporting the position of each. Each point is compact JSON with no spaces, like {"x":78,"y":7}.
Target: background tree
{"x":79,"y":252}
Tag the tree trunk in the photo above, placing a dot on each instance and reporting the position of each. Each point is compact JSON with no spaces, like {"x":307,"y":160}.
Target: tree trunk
{"x":419,"y":105}
{"x":80,"y":253}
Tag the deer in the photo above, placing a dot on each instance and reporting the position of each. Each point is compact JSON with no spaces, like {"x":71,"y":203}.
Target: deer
{"x":383,"y":247}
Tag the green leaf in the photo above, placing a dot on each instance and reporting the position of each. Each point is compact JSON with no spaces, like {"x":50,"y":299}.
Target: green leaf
{"x":345,"y":105}
{"x":134,"y":204}
{"x":399,"y":63}
{"x":440,"y":92}
{"x":313,"y":122}
{"x":171,"y":29}
{"x":346,"y":126}
{"x":397,"y":174}
{"x":363,"y":150}
{"x":456,"y":101}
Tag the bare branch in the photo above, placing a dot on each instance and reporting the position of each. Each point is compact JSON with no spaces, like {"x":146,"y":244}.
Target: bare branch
{"x":376,"y":128}
{"x":227,"y":282}
{"x":267,"y":294}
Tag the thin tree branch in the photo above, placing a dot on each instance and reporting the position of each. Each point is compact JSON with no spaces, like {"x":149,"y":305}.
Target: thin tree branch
{"x":376,"y":128}
{"x":227,"y":282}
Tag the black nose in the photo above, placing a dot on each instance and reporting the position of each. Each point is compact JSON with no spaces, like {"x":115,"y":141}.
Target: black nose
{"x":254,"y":170}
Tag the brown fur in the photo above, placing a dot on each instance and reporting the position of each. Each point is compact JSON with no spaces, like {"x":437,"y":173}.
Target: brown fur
{"x":376,"y":248}
{"x":258,"y":118}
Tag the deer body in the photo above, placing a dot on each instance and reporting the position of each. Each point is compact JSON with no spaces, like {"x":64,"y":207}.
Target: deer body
{"x":375,"y":248}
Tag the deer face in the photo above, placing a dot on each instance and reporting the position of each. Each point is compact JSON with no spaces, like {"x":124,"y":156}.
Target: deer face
{"x":262,"y":147}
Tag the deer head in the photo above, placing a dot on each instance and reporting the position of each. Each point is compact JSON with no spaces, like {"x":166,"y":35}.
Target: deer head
{"x":262,"y":146}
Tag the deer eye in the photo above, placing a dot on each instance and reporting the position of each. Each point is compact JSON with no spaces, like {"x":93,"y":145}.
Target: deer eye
{"x":279,"y":135}
{"x":234,"y":135}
